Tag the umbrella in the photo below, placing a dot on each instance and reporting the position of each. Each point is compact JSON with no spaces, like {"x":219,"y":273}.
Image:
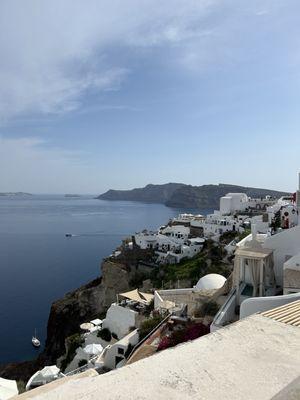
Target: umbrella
{"x":93,"y":349}
{"x":86,"y":326}
{"x":96,"y":322}
{"x":8,"y":389}
{"x":49,"y":372}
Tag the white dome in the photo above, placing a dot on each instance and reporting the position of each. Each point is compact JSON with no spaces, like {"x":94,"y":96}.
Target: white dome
{"x":210,"y":281}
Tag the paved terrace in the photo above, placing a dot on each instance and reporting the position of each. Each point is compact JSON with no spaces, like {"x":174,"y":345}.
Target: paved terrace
{"x":255,"y":358}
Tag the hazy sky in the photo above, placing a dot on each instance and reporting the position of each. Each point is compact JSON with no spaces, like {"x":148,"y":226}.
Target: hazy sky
{"x":99,"y":94}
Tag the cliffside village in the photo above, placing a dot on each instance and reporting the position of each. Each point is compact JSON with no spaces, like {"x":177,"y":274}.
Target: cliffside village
{"x":259,"y":242}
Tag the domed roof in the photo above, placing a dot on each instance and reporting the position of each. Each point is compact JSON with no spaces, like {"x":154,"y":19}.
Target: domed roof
{"x":210,"y":281}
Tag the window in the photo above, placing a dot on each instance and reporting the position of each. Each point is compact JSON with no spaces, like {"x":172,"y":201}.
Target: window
{"x":120,"y":350}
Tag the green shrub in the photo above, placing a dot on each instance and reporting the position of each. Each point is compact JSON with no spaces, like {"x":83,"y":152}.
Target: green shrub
{"x":72,"y":343}
{"x":21,"y":386}
{"x":244,"y":234}
{"x":148,"y":325}
{"x":114,"y":335}
{"x":198,"y":312}
{"x":216,"y":253}
{"x":227,"y":237}
{"x":149,"y":308}
{"x":185,"y":270}
{"x":104,"y":334}
{"x":219,"y":268}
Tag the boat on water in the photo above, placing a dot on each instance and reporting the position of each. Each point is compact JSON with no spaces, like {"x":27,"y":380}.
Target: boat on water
{"x":69,"y":235}
{"x":35,"y":341}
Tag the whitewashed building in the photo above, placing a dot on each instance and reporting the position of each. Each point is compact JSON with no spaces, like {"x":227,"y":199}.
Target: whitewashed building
{"x":239,"y":202}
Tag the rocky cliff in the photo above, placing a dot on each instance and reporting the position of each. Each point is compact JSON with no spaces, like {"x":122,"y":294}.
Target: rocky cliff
{"x":82,"y":305}
{"x":148,"y":194}
{"x":185,"y":196}
{"x":85,"y":303}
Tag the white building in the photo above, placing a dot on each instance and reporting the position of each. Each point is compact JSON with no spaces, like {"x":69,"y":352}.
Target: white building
{"x":264,"y":266}
{"x":114,"y":355}
{"x":286,"y":210}
{"x":44,"y":376}
{"x":171,"y":243}
{"x":178,"y":233}
{"x":216,"y":224}
{"x":146,"y":239}
{"x":233,"y":202}
{"x":186,"y":219}
{"x":168,"y":236}
{"x":239,"y":202}
{"x":190,"y":248}
{"x":120,"y":319}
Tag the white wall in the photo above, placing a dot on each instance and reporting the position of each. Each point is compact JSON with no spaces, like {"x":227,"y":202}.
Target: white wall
{"x":260,"y":304}
{"x":143,"y":240}
{"x":119,"y":319}
{"x":285,"y":244}
{"x":112,"y":351}
{"x":225,"y":205}
{"x":233,"y":202}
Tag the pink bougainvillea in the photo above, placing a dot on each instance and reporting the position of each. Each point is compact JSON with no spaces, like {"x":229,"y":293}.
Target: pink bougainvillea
{"x":182,"y":335}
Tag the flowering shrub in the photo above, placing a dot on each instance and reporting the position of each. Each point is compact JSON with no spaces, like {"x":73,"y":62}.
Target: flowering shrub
{"x":182,"y":335}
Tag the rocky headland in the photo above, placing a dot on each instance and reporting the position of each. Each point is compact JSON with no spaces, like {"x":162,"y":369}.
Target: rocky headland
{"x":180,"y":195}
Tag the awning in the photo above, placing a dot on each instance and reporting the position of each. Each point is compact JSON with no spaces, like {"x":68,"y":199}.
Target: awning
{"x":50,"y":371}
{"x":138,"y":296}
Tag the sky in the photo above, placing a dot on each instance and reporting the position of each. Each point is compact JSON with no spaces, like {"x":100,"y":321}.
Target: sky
{"x":98,"y":94}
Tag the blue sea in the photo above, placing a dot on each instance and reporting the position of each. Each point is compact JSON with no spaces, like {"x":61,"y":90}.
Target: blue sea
{"x":38,"y":264}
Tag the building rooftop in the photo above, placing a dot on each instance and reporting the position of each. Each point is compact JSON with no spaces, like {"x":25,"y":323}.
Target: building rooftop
{"x":288,"y":313}
{"x":254,"y":358}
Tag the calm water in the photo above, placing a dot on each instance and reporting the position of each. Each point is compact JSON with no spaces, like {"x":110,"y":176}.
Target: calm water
{"x":38,"y":264}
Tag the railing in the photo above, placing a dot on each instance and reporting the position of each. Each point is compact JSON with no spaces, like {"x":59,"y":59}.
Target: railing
{"x":226,"y":312}
{"x":83,"y":368}
{"x":147,"y":337}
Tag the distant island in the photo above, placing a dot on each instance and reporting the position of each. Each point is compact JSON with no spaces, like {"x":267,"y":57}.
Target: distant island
{"x":186,"y":196}
{"x":72,"y":195}
{"x":14,"y":194}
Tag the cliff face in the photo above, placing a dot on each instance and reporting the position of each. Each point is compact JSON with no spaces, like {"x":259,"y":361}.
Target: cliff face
{"x":208,"y":196}
{"x":82,"y":305}
{"x":147,"y":194}
{"x":185,"y":196}
{"x":66,"y":315}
